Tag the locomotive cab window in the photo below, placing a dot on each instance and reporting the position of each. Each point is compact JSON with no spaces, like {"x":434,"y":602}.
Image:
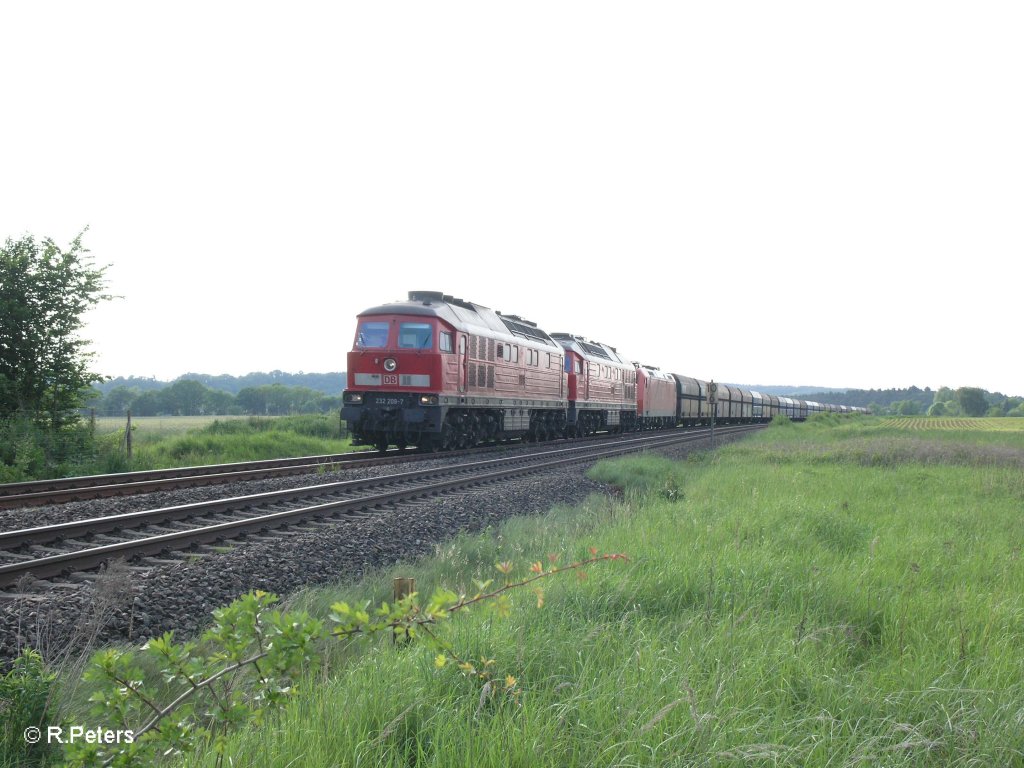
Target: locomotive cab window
{"x":415,"y":336}
{"x":445,"y":342}
{"x":372,"y":335}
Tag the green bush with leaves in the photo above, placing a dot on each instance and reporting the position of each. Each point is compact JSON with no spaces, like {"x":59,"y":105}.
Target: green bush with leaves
{"x":25,"y":692}
{"x":254,"y":658}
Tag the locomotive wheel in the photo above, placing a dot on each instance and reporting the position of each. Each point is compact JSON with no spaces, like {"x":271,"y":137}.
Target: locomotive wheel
{"x":382,"y":444}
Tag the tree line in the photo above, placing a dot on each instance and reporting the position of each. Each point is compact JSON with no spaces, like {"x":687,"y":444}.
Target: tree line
{"x":912,"y":401}
{"x":326,"y":383}
{"x":189,"y":397}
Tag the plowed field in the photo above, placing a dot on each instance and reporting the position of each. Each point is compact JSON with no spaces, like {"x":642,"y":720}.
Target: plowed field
{"x":959,"y":424}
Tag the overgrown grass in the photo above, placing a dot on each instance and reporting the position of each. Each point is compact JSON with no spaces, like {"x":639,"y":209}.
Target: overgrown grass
{"x":161,"y":442}
{"x":779,"y":609}
{"x":227,"y":440}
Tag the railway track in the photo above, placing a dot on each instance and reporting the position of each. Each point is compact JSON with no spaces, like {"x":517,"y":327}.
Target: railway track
{"x":57,"y":550}
{"x":61,"y":490}
{"x":65,"y":489}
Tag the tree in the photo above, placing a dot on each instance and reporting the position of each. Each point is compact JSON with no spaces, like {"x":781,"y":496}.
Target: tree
{"x":150,"y":403}
{"x":44,"y":291}
{"x":219,"y":403}
{"x":906,"y":407}
{"x":253,"y":400}
{"x":118,"y":400}
{"x":185,"y":397}
{"x":972,"y":400}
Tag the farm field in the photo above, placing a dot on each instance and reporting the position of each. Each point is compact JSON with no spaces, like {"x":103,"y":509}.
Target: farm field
{"x":159,"y":425}
{"x":959,"y":424}
{"x":834,"y":593}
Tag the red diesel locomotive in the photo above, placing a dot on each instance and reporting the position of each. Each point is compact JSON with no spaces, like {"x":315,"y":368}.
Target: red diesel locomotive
{"x":439,"y":373}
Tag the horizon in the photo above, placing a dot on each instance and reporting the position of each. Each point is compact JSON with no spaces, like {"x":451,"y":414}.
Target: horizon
{"x":796,"y":388}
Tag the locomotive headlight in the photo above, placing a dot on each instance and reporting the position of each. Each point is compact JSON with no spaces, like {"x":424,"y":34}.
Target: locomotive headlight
{"x":390,"y":364}
{"x":355,"y":398}
{"x":428,"y":399}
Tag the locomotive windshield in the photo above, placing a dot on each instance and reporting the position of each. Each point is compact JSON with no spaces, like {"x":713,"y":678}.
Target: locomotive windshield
{"x":372,"y":335}
{"x":415,"y":336}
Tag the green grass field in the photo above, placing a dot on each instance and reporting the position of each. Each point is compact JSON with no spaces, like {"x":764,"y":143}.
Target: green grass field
{"x":828,"y":594}
{"x":834,"y":593}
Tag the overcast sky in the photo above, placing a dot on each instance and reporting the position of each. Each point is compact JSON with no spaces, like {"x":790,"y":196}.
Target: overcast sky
{"x":803,"y":193}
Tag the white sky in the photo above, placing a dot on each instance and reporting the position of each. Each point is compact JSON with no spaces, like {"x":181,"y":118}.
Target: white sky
{"x":768,"y":193}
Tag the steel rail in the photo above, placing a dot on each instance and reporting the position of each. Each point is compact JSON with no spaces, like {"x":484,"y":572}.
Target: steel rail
{"x":59,"y":490}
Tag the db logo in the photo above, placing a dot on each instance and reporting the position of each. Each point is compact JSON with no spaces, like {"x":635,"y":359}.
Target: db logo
{"x":391,"y":379}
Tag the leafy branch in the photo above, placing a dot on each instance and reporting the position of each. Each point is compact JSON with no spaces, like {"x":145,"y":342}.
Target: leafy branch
{"x":250,"y":660}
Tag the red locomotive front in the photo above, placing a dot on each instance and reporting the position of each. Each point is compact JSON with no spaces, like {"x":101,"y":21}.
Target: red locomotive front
{"x":439,"y":372}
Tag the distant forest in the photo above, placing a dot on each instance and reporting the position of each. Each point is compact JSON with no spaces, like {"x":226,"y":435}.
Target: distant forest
{"x":327,"y":383}
{"x":194,"y":394}
{"x":966,"y":401}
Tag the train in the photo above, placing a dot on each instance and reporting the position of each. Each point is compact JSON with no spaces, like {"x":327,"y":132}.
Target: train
{"x":440,"y":373}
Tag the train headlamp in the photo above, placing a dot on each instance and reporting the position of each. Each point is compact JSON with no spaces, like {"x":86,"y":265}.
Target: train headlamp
{"x":390,"y":364}
{"x":428,"y":399}
{"x":354,"y":398}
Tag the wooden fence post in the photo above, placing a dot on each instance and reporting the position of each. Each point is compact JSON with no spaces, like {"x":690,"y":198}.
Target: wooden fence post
{"x":128,"y":436}
{"x":403,"y":588}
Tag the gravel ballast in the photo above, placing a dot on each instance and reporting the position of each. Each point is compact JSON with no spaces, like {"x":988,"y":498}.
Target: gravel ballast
{"x":130,"y":603}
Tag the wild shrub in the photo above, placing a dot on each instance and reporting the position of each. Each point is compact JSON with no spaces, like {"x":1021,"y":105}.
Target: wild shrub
{"x":640,"y":473}
{"x":252,"y":659}
{"x":25,"y":691}
{"x":824,"y":419}
{"x":29,"y":451}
